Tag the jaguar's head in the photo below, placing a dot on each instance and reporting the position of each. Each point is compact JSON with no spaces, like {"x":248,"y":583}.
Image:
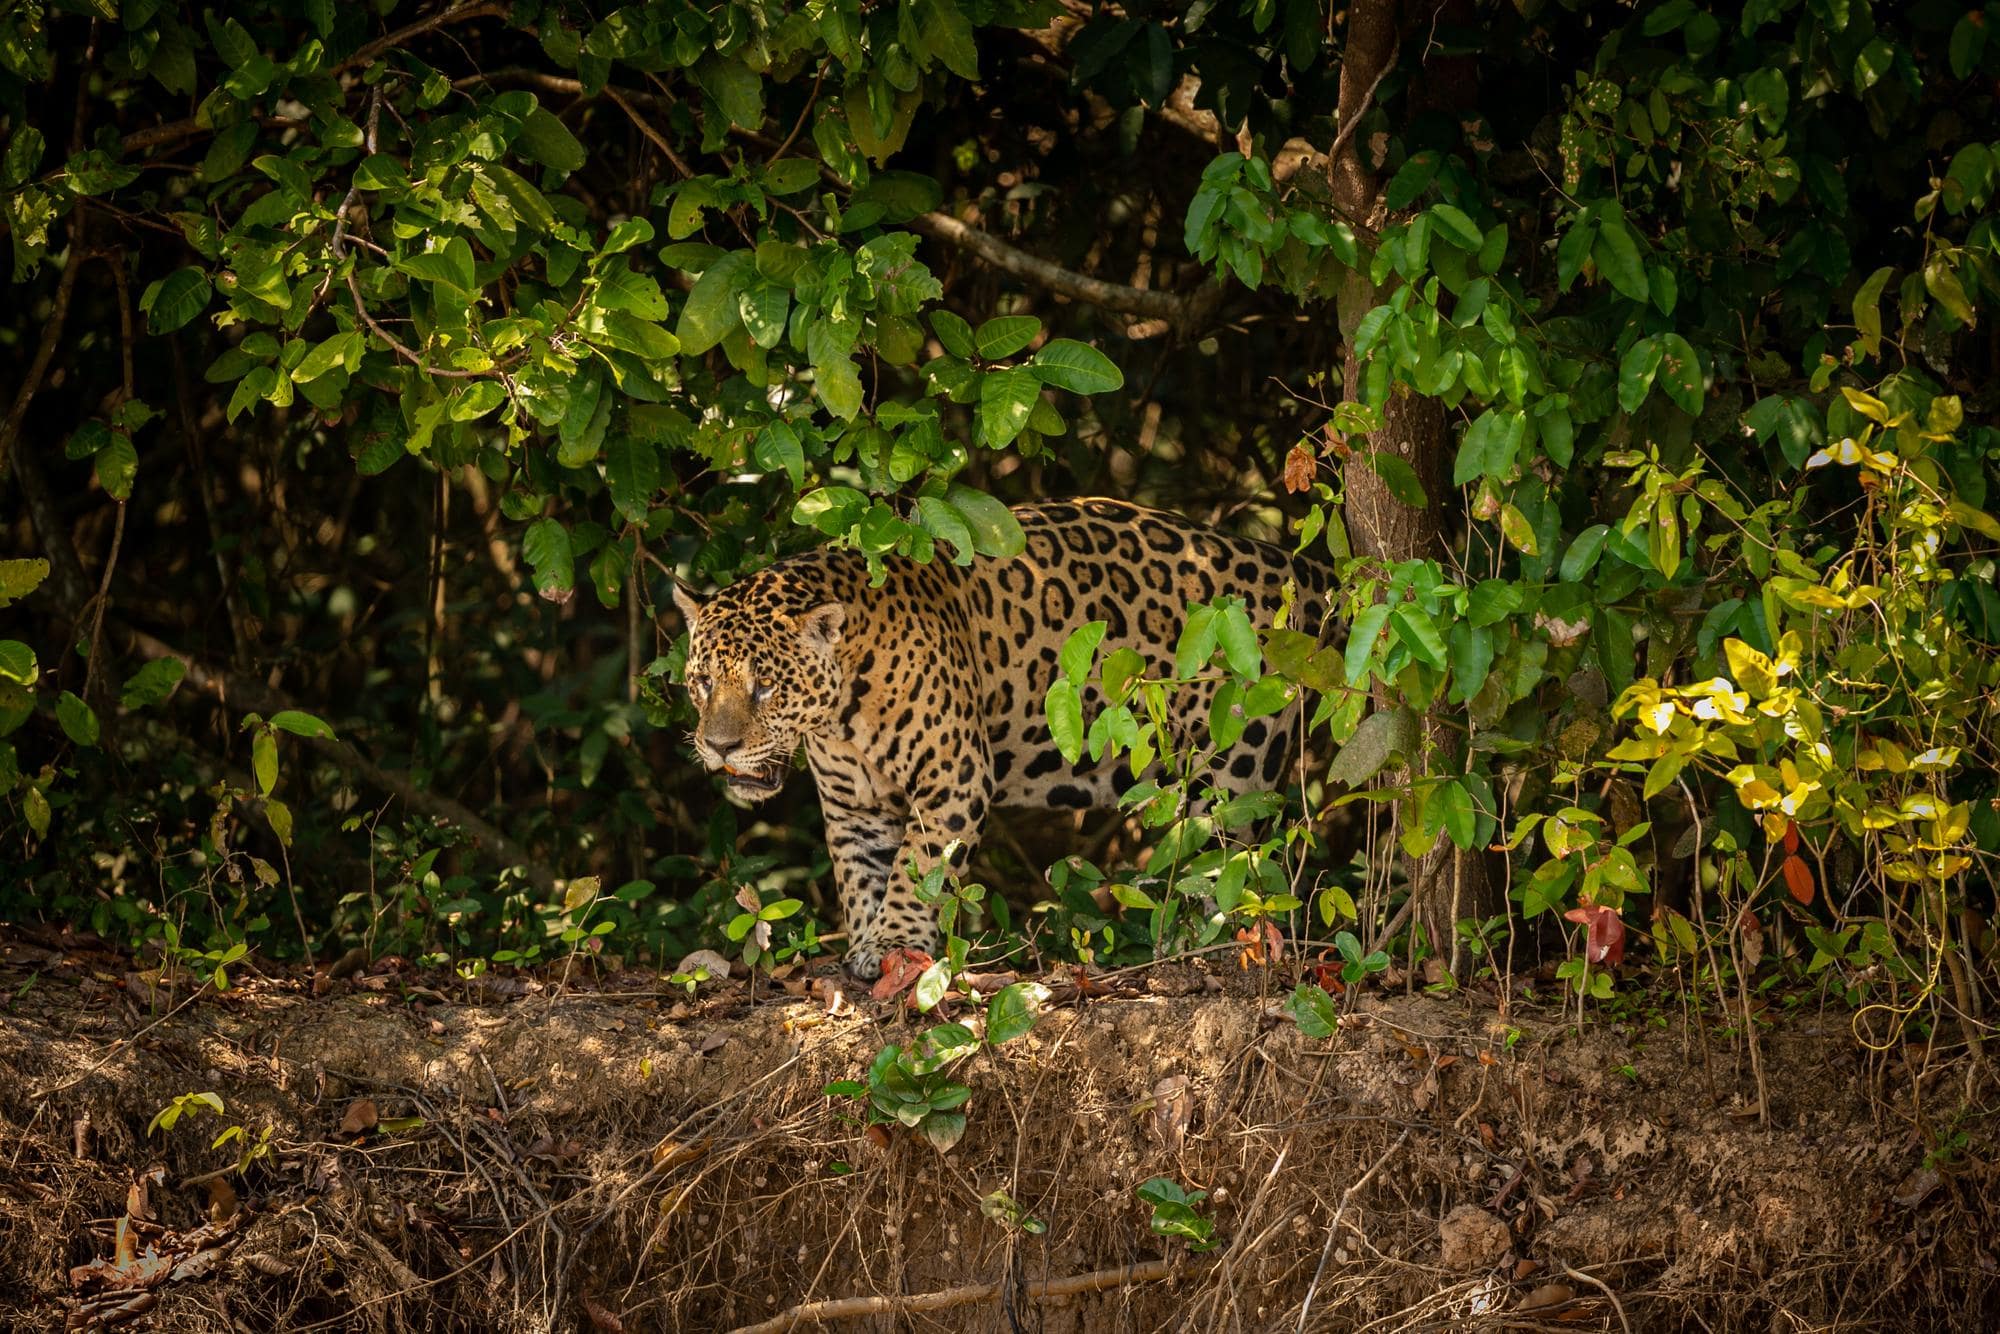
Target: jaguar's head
{"x":762,"y":678}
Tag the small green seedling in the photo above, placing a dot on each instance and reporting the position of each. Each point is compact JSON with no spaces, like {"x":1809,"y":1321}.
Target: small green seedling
{"x":1176,"y":1213}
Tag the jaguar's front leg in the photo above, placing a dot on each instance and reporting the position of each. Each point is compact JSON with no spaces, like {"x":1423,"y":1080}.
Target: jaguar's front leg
{"x":863,"y":846}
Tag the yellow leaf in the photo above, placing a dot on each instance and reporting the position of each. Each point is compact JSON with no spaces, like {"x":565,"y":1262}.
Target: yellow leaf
{"x":1753,"y":671}
{"x":581,"y":890}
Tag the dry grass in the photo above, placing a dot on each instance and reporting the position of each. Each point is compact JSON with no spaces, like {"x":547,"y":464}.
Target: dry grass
{"x":621,"y":1162}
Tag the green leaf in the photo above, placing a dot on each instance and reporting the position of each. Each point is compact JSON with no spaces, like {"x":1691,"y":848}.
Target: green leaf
{"x":1197,"y":642}
{"x":1414,"y":626}
{"x":1079,"y":650}
{"x":954,"y":334}
{"x":838,"y":384}
{"x":1617,"y":256}
{"x":152,"y":683}
{"x":1399,"y":477}
{"x":476,"y":400}
{"x":1456,"y":227}
{"x":1006,"y":400}
{"x":1239,"y":641}
{"x":18,"y":578}
{"x":17,"y":662}
{"x":945,"y":524}
{"x":1636,"y":372}
{"x":1381,"y":734}
{"x":778,"y":448}
{"x":78,"y":721}
{"x":300,"y":723}
{"x":1065,"y":712}
{"x":947,"y":35}
{"x":995,"y":530}
{"x":1361,"y":639}
{"x":172,"y":301}
{"x":117,"y":465}
{"x":264,"y":761}
{"x":1077,"y":367}
{"x":764,"y":309}
{"x":712,"y":313}
{"x":633,"y":471}
{"x":1313,"y":1011}
{"x":1868,"y":310}
{"x":546,"y":546}
{"x":545,"y":139}
{"x":1583,"y":552}
{"x":324,"y":356}
{"x":1011,"y":1012}
{"x":1680,"y":374}
{"x":1458,"y":813}
{"x":1005,"y":335}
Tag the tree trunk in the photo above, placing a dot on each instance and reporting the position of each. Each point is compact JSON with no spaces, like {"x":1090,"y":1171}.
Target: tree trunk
{"x":1445,"y":883}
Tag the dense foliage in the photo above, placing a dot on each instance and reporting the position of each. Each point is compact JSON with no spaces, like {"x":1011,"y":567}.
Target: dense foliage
{"x":375,"y":369}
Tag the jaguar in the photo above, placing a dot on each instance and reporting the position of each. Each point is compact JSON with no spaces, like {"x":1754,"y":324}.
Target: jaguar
{"x":918,"y":701}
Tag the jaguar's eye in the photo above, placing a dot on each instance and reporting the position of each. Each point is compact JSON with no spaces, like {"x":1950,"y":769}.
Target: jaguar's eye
{"x":698,"y":683}
{"x":760,"y":693}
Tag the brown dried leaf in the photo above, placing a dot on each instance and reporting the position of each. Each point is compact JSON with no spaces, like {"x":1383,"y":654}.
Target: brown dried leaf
{"x":600,"y":1317}
{"x":361,"y":1117}
{"x":900,"y":970}
{"x":1299,"y":468}
{"x":1547,"y":1297}
{"x":222,"y":1203}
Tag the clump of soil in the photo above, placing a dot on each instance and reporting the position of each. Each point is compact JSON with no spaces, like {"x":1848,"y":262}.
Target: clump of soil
{"x":550,"y":1154}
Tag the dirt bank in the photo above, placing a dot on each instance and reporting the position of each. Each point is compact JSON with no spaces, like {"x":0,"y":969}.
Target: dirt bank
{"x":624,"y":1157}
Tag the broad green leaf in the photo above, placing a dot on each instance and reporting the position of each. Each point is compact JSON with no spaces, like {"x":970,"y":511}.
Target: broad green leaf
{"x":1006,"y":400}
{"x":1011,"y":1012}
{"x":152,"y":683}
{"x":300,"y":723}
{"x":838,"y":384}
{"x":1419,"y":633}
{"x":264,"y":761}
{"x":1079,"y":650}
{"x":18,"y":578}
{"x":945,"y":524}
{"x":1399,"y":477}
{"x":995,"y":530}
{"x":545,"y":139}
{"x":1457,"y":811}
{"x":1456,"y":227}
{"x":1637,"y":371}
{"x":17,"y":662}
{"x":779,"y":449}
{"x":79,"y":722}
{"x":1381,"y":734}
{"x":172,"y":301}
{"x":547,"y":548}
{"x":1238,"y":639}
{"x":1618,"y":259}
{"x":712,"y":313}
{"x":1005,"y":335}
{"x":1065,"y":713}
{"x":1077,"y":367}
{"x":117,"y":465}
{"x":1583,"y":552}
{"x":954,"y":334}
{"x":1368,"y":627}
{"x":633,"y":471}
{"x":1680,"y":373}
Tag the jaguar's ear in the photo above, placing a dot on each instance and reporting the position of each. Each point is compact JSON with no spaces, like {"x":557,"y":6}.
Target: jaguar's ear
{"x":684,"y":599}
{"x":822,"y":624}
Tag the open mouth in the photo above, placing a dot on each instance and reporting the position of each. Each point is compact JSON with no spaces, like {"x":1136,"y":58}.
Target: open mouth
{"x":761,"y":781}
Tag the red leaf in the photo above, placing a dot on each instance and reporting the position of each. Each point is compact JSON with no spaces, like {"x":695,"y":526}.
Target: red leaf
{"x":1792,"y":837}
{"x":900,"y":970}
{"x":1799,"y":878}
{"x":1604,"y":939}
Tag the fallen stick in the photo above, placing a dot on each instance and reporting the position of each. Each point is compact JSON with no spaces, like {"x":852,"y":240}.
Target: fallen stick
{"x":840,"y":1308}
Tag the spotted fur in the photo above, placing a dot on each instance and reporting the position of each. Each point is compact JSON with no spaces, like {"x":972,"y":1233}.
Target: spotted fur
{"x":919,"y":703}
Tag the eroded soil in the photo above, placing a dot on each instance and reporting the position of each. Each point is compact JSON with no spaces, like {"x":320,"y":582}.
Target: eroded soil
{"x":607,"y":1153}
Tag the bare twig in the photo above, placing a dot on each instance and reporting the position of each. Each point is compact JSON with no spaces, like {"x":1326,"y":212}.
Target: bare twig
{"x":847,"y":1308}
{"x":1333,"y":1228}
{"x":645,"y":127}
{"x":1604,"y":1288}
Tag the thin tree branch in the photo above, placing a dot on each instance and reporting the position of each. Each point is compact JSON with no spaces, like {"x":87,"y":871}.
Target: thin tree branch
{"x":482,"y":9}
{"x":1145,"y":303}
{"x":242,"y":692}
{"x":847,"y":1308}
